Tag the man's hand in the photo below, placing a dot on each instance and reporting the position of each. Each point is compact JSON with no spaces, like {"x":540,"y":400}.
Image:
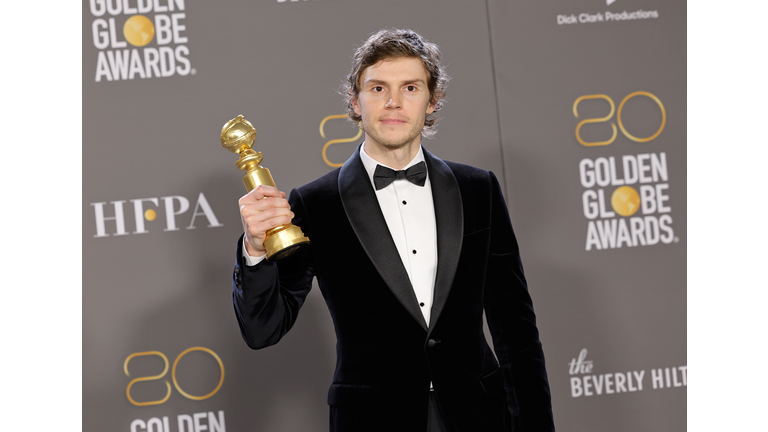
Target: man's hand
{"x":262,"y":209}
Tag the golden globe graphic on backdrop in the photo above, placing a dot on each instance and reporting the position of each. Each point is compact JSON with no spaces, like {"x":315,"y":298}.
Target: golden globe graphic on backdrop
{"x":145,"y":39}
{"x":637,"y":212}
{"x":138,"y":30}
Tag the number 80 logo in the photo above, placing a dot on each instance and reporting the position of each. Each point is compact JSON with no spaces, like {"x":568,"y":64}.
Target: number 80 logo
{"x":618,"y":118}
{"x":173,"y":376}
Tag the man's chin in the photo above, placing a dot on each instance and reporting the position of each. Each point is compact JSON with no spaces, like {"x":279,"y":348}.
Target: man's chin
{"x":394,"y":143}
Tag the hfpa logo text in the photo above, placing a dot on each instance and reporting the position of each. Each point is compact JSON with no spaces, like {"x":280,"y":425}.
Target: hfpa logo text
{"x":173,"y":206}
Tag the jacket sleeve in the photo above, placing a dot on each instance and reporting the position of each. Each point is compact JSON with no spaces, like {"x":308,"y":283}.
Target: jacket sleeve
{"x":267,"y":297}
{"x":512,"y":323}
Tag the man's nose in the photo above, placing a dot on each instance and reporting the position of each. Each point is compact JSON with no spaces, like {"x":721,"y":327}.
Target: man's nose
{"x":394,"y":102}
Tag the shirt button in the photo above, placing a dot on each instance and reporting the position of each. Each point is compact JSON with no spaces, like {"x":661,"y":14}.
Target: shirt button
{"x":405,"y":202}
{"x":421,"y":304}
{"x":414,"y":251}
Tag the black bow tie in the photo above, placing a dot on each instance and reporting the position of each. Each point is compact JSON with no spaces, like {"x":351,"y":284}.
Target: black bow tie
{"x":416,"y":174}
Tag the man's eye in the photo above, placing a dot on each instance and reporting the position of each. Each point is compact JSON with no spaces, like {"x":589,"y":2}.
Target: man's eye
{"x":378,"y":89}
{"x":411,"y":88}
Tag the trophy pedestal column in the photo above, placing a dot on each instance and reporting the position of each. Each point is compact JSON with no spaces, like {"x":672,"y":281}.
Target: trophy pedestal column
{"x":256,"y":177}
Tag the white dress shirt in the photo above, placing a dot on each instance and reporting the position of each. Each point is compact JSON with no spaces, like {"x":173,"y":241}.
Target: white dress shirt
{"x":410,"y":216}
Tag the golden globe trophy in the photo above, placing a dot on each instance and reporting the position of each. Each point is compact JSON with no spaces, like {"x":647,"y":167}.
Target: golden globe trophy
{"x":238,"y":136}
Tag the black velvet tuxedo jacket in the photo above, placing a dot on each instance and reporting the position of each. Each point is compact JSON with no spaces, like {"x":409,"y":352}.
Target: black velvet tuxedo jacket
{"x":386,"y":353}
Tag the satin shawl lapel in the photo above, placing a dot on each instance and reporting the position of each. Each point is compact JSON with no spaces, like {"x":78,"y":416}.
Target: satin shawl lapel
{"x":449,"y":217}
{"x":362,"y":209}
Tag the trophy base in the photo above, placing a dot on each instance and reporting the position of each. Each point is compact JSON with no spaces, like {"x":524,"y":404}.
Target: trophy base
{"x":283,"y":241}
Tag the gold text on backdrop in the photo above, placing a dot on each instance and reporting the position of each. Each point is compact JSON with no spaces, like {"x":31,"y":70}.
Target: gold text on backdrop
{"x":618,"y":116}
{"x":173,"y":375}
{"x":339,"y":140}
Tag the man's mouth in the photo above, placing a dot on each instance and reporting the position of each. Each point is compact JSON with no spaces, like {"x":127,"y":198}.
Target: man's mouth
{"x":393,"y":121}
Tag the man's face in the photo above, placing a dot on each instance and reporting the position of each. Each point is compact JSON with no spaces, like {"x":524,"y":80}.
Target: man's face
{"x":393,"y":102}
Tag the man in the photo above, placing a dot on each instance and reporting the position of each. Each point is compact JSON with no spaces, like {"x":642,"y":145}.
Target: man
{"x":408,"y":251}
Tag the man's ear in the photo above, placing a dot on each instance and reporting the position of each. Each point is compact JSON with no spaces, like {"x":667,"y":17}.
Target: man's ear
{"x":432,"y":103}
{"x":431,"y":107}
{"x":356,"y":106}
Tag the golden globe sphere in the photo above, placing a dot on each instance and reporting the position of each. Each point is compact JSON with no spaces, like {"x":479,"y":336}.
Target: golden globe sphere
{"x":238,"y":134}
{"x":138,"y":30}
{"x":625,"y":201}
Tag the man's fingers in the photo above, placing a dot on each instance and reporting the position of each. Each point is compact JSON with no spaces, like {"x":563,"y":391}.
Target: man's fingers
{"x":257,"y":217}
{"x":265,"y":205}
{"x":259,"y":193}
{"x":262,"y":209}
{"x":258,"y":229}
{"x":258,"y":220}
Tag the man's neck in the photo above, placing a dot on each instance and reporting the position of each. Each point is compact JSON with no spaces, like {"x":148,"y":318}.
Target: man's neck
{"x":396,"y":158}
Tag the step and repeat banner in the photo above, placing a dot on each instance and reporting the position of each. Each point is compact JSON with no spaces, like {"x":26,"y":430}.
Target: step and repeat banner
{"x":578,"y":106}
